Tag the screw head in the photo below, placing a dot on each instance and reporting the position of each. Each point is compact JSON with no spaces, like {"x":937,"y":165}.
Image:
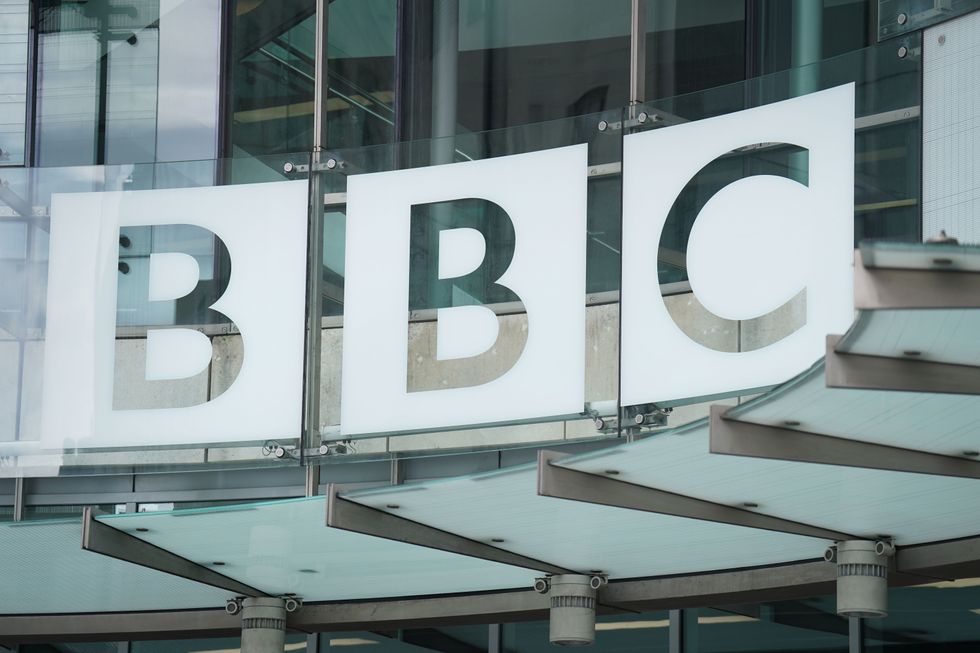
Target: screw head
{"x":903,"y":52}
{"x":902,"y":18}
{"x":642,"y":117}
{"x":331,"y":164}
{"x":603,"y":125}
{"x":942,"y":39}
{"x":288,"y":167}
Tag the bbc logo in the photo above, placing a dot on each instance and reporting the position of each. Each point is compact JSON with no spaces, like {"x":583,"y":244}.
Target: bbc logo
{"x":803,"y":229}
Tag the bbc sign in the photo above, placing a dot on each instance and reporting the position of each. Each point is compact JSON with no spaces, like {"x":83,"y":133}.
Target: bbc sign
{"x":804,"y":228}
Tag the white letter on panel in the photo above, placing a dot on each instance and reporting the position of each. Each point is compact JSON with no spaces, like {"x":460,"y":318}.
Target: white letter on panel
{"x":756,"y":243}
{"x":544,"y":194}
{"x":263,"y":227}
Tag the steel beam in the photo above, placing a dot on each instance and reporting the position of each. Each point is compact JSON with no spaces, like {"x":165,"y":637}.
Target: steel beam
{"x":97,"y":537}
{"x":355,"y":517}
{"x":952,"y":559}
{"x":732,"y":437}
{"x":566,"y":483}
{"x":865,"y":372}
{"x":892,"y":288}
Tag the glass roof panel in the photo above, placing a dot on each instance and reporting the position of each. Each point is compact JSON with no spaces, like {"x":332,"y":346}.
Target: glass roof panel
{"x":284,"y":547}
{"x":938,"y":423}
{"x":581,"y":536}
{"x":939,"y":335}
{"x":913,"y":508}
{"x":45,"y":570}
{"x":921,"y":256}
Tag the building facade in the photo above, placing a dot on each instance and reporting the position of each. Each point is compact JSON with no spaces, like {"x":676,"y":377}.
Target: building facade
{"x":406,"y":316}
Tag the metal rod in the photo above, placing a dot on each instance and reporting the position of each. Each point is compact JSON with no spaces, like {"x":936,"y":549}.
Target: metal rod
{"x":19,"y":498}
{"x":638,"y":50}
{"x":320,"y":87}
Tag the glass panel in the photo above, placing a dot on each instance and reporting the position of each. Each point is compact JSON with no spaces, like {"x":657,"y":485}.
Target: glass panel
{"x":809,"y":625}
{"x":30,"y":197}
{"x":887,"y":143}
{"x":940,"y":616}
{"x":897,"y":17}
{"x":801,"y":32}
{"x":14,"y":32}
{"x":429,"y":291}
{"x":283,"y":547}
{"x":125,"y":82}
{"x":273,"y":70}
{"x":474,"y":65}
{"x":410,"y":640}
{"x":294,"y":642}
{"x":271,"y":77}
{"x":692,"y":45}
{"x":648,"y":631}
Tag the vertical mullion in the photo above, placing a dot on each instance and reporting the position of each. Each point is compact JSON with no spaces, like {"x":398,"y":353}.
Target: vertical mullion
{"x":637,"y":52}
{"x":310,"y":435}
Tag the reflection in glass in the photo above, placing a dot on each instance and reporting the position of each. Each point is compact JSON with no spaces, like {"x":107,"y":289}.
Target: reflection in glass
{"x":126,"y":81}
{"x":273,"y":75}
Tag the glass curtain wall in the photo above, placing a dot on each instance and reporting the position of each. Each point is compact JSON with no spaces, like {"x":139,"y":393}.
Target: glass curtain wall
{"x":127,"y":81}
{"x":14,"y":48}
{"x":272,"y":72}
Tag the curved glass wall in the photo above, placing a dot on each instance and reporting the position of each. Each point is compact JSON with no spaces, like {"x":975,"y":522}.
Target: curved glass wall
{"x":886,"y":201}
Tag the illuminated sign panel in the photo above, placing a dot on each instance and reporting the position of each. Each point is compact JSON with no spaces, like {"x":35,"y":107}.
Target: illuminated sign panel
{"x":758,"y":244}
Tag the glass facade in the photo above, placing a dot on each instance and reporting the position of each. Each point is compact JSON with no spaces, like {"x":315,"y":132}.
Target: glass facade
{"x":123,"y":97}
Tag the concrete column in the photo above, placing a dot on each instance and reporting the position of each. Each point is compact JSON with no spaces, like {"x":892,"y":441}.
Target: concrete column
{"x":263,"y":625}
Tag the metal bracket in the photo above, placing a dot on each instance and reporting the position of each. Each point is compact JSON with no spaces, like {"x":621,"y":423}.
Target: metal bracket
{"x":732,"y":437}
{"x":567,"y":483}
{"x":642,"y":118}
{"x":860,"y":371}
{"x":355,"y":517}
{"x":97,"y":537}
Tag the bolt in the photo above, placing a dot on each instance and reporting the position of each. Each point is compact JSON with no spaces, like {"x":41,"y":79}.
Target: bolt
{"x":903,"y":52}
{"x":603,"y":125}
{"x":902,"y":19}
{"x":331,"y":164}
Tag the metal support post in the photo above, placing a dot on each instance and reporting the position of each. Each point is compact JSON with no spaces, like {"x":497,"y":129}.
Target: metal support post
{"x":19,"y":498}
{"x":495,"y":639}
{"x":855,"y":635}
{"x":638,"y":50}
{"x":314,"y":255}
{"x":445,"y":52}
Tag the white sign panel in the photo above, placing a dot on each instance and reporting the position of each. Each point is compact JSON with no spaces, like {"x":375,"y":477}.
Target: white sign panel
{"x":263,"y":227}
{"x":755,"y":245}
{"x":544,"y":196}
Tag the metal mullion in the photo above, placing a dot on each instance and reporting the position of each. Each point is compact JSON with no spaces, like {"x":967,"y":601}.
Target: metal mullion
{"x":637,"y":53}
{"x":310,"y":435}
